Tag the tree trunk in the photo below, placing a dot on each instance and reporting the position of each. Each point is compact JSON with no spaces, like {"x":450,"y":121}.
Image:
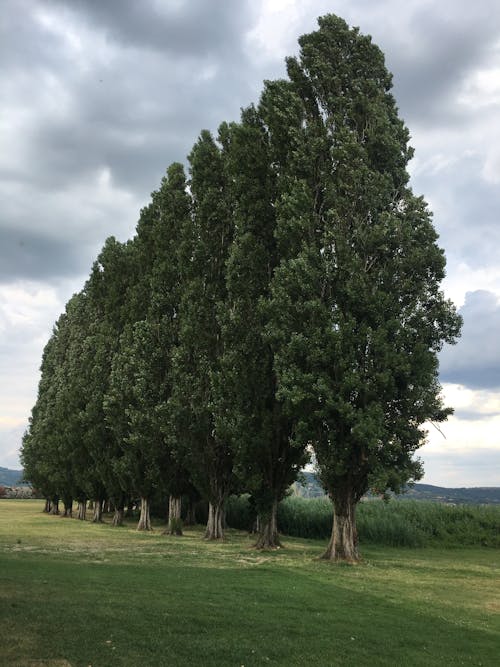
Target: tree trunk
{"x":48,"y":506}
{"x":268,"y":529}
{"x":68,"y":508}
{"x":144,"y":519}
{"x":82,"y":510}
{"x":97,"y":518}
{"x":343,"y":544}
{"x":118,"y":515}
{"x":174,"y":516}
{"x":214,"y":529}
{"x":55,"y":507}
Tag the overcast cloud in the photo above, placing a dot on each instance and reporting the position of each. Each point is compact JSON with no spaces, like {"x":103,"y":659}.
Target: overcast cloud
{"x":98,"y":98}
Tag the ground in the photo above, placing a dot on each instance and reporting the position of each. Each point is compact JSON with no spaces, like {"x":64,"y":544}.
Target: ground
{"x":79,"y":594}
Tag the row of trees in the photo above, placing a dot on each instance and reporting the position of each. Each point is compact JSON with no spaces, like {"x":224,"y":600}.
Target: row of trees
{"x":285,"y":297}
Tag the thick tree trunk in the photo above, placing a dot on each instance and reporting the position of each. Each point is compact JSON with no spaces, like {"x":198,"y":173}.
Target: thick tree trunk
{"x":343,"y":544}
{"x":55,"y":507}
{"x":214,"y":530}
{"x":82,"y":510}
{"x":68,"y":508}
{"x":268,"y":529}
{"x":174,"y":516}
{"x":48,"y":506}
{"x":97,"y":518}
{"x":144,"y":519}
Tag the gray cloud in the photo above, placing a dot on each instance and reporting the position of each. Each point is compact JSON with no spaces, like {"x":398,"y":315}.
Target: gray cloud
{"x":92,"y":87}
{"x":466,"y":209}
{"x":475,"y":361}
{"x":440,"y":46}
{"x":183,"y":27}
{"x":98,"y":98}
{"x":32,"y":255}
{"x":127,"y":86}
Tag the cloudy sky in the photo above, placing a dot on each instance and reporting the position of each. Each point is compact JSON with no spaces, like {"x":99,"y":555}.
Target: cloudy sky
{"x":97,"y":97}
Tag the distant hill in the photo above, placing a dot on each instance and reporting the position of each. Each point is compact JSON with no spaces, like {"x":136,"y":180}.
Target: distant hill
{"x":481,"y":495}
{"x":309,"y":487}
{"x":11,"y":477}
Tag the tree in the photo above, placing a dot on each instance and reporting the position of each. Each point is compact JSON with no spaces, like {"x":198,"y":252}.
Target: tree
{"x":141,"y":381}
{"x":54,"y":452}
{"x":111,"y":278}
{"x":357,"y":314}
{"x":266,"y":461}
{"x":197,"y":358}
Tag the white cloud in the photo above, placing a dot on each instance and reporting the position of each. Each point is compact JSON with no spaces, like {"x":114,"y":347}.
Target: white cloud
{"x":465,"y":450}
{"x":27,"y":313}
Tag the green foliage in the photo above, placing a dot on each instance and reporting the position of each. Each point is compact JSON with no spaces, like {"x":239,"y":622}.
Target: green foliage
{"x":196,"y":359}
{"x":266,"y":461}
{"x":397,"y":523}
{"x":356,"y":313}
{"x":286,"y":297}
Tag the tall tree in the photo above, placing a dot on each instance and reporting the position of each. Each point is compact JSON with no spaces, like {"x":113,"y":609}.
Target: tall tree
{"x":358,"y":316}
{"x":142,"y":371}
{"x":39,"y":444}
{"x":266,"y":460}
{"x":54,"y":449}
{"x":197,"y":358}
{"x":109,"y":283}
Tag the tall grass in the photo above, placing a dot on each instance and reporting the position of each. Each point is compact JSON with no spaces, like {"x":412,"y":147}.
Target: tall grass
{"x":396,"y":523}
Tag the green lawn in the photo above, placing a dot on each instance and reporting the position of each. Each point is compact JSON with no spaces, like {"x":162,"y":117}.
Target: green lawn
{"x":73,"y":593}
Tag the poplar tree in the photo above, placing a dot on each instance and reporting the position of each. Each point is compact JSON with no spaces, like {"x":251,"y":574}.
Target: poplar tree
{"x":197,"y":358}
{"x":106,"y":289}
{"x":357,"y":313}
{"x":266,"y":461}
{"x":141,"y":381}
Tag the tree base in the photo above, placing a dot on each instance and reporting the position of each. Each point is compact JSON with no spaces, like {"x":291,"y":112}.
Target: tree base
{"x":174,"y":517}
{"x":263,"y":544}
{"x":118,"y":517}
{"x":343,"y":545}
{"x":337,"y":558}
{"x":214,"y":530}
{"x":267,"y":525}
{"x":144,"y":519}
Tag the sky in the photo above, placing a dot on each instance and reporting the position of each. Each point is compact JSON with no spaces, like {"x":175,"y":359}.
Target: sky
{"x":98,"y":98}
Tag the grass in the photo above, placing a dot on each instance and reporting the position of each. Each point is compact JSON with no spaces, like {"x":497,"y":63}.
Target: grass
{"x":74,"y":593}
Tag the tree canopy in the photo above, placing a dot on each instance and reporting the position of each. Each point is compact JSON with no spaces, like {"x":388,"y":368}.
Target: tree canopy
{"x":285,"y":298}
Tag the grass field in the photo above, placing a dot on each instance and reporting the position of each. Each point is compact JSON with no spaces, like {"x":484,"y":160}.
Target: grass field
{"x":74,"y":593}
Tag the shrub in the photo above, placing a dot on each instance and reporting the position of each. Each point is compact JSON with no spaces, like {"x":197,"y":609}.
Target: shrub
{"x":408,"y":523}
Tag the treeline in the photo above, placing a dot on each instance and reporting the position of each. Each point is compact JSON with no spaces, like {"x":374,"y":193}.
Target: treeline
{"x":282,"y":296}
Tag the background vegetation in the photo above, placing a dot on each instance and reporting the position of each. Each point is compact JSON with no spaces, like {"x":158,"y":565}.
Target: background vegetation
{"x":405,"y":523}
